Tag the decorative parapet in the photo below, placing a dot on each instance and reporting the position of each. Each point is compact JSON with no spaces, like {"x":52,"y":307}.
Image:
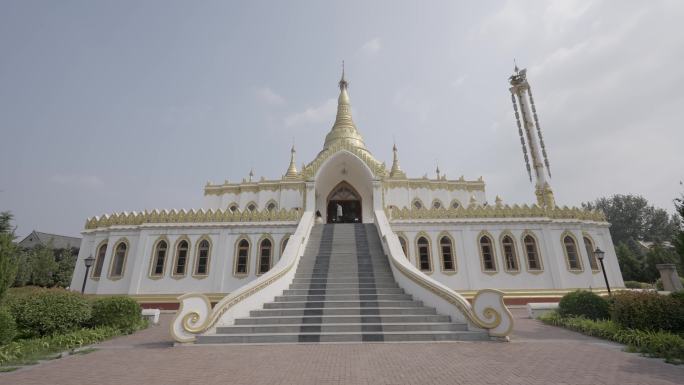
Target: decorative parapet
{"x":292,"y":183}
{"x":501,"y":211}
{"x":430,"y":184}
{"x":378,"y":168}
{"x":190,"y":216}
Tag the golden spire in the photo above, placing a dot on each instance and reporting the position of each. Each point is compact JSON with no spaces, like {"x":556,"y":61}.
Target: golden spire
{"x":344,"y":129}
{"x":396,"y":171}
{"x":292,"y":169}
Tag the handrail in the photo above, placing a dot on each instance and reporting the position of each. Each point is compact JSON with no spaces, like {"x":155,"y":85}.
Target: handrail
{"x":195,"y":314}
{"x":487,"y":311}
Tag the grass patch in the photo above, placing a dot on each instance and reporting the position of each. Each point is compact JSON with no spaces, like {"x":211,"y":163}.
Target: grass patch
{"x":28,"y":351}
{"x":7,"y":369}
{"x":657,"y":344}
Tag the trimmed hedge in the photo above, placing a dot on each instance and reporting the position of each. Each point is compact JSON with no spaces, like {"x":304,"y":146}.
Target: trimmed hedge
{"x":649,"y":311}
{"x":638,"y":285}
{"x":8,"y":328}
{"x":44,"y":312}
{"x":36,"y":348}
{"x":655,"y":344}
{"x":119,"y":312}
{"x":583,"y":303}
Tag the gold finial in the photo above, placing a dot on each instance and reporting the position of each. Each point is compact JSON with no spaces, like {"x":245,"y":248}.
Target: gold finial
{"x":291,"y":172}
{"x":437,"y":171}
{"x":516,"y":66}
{"x":343,"y":82}
{"x":251,"y":174}
{"x":396,"y":171}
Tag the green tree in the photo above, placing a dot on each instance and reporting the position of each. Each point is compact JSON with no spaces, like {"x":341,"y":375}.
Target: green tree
{"x":23,"y":261}
{"x":679,"y":237}
{"x":633,"y":218}
{"x":657,"y":255}
{"x":8,"y":266}
{"x":65,"y":268}
{"x":631,"y":268}
{"x":5,"y":225}
{"x":43,"y":266}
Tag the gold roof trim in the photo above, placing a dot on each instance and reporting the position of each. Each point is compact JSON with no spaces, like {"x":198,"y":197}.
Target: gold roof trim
{"x":266,"y":185}
{"x":442,"y":184}
{"x":504,"y":211}
{"x":378,"y":168}
{"x":190,"y":216}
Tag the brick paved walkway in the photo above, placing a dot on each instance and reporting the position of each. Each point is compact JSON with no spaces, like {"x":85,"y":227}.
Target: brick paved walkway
{"x":538,"y":354}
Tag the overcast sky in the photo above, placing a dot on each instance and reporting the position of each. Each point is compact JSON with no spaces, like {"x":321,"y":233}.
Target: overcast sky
{"x":108,"y":106}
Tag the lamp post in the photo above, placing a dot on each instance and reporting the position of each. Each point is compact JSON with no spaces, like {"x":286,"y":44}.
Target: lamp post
{"x":88,"y":262}
{"x":599,"y":254}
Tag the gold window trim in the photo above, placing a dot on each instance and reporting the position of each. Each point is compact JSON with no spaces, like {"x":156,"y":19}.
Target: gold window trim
{"x":403,"y":236}
{"x":568,"y":233}
{"x":235,"y":256}
{"x":592,"y":256}
{"x":283,"y":240}
{"x":493,"y":246}
{"x":257,"y":265}
{"x":125,"y":241}
{"x":536,"y":246}
{"x":445,"y":234}
{"x":104,"y":242}
{"x":153,"y":258}
{"x":425,"y":235}
{"x":509,"y":234}
{"x":195,"y":264}
{"x":175,"y":257}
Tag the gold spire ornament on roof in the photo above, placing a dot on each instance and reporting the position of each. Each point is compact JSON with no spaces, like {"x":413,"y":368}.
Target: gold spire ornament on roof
{"x":396,"y":171}
{"x":292,"y":169}
{"x":344,"y":129}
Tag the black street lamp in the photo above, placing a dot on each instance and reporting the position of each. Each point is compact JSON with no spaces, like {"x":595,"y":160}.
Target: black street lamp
{"x":88,"y":262}
{"x":599,"y":254}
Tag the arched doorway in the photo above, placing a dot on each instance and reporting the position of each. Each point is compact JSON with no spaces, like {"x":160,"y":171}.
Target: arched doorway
{"x":344,"y":204}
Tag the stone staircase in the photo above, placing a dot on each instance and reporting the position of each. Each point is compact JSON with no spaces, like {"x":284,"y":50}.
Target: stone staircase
{"x":343,"y":291}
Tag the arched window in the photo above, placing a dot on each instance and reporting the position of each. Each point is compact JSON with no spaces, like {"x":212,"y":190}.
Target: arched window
{"x":446,"y":249}
{"x":264,"y":263}
{"x":271,"y":206}
{"x":181,"y":260}
{"x":241,"y":257}
{"x":487,"y":254}
{"x":424,"y":255}
{"x":116,"y":270}
{"x":455,"y":204}
{"x":99,"y":261}
{"x":570,"y":247}
{"x":436,"y":204}
{"x":404,"y":245}
{"x":159,"y":258}
{"x":510,"y":256}
{"x":589,"y":246}
{"x":417,"y":204}
{"x":251,"y":206}
{"x":233,"y":207}
{"x":532,"y":253}
{"x":202,"y":257}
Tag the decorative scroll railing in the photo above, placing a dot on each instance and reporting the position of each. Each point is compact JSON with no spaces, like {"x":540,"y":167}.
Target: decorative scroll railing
{"x":496,"y":211}
{"x":487,"y":311}
{"x":196,"y":315}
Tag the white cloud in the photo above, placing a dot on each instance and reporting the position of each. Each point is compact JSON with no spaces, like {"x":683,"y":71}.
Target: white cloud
{"x":325,"y":112}
{"x":371,"y":47}
{"x":87,"y":181}
{"x":268,"y":96}
{"x":459,"y":81}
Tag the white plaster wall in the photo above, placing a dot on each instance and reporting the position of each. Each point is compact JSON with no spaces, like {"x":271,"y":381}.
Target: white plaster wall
{"x":403,"y":197}
{"x":555,"y":274}
{"x":137,"y":280}
{"x":344,"y":166}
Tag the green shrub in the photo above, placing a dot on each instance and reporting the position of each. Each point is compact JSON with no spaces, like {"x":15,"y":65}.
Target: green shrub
{"x":638,"y":285}
{"x":659,"y":283}
{"x":8,"y":328}
{"x":20,"y":351}
{"x":583,"y":303}
{"x":656,"y":344}
{"x":120,"y":312}
{"x":44,"y":312}
{"x":648,"y":311}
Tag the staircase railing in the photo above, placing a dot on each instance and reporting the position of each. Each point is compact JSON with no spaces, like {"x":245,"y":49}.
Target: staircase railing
{"x":195,"y":314}
{"x":487,"y":311}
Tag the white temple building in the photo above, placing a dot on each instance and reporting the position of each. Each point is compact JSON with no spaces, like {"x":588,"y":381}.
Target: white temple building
{"x":444,"y":242}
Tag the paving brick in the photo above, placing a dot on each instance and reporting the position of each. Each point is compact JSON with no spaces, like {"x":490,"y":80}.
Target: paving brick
{"x":537,"y":354}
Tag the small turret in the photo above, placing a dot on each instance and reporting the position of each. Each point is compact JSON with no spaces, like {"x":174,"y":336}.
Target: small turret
{"x":396,"y":172}
{"x":292,"y":169}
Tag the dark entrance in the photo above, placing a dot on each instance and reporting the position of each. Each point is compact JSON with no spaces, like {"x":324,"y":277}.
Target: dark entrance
{"x":345,"y":200}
